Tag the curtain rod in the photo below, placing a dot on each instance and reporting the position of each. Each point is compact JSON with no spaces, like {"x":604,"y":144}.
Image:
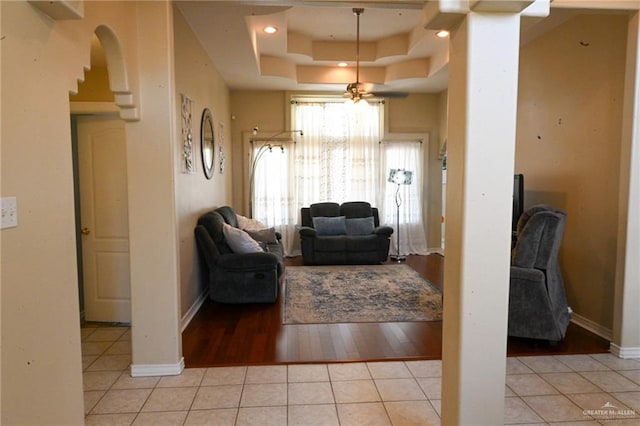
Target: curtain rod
{"x":267,"y":139}
{"x":330,"y":100}
{"x":420,"y":140}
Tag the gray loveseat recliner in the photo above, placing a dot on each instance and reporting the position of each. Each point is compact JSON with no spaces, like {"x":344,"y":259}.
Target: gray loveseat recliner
{"x":357,"y":239}
{"x":236,"y":277}
{"x":537,"y":302}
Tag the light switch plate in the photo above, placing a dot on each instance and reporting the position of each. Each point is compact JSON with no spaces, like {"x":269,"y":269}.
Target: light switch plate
{"x":9,"y":208}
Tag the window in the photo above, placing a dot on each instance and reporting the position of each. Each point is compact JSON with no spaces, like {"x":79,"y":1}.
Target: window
{"x":404,"y":155}
{"x":340,"y":158}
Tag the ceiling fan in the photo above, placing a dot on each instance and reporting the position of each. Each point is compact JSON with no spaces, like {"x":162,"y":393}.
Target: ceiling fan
{"x":356,"y":90}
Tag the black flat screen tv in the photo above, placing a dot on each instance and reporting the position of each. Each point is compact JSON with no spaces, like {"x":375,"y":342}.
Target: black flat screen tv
{"x":518,"y":200}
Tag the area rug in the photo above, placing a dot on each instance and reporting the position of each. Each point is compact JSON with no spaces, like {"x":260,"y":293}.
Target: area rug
{"x":344,"y":294}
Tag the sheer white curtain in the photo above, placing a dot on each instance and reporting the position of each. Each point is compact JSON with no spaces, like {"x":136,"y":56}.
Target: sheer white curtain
{"x":408,"y":156}
{"x":338,"y":158}
{"x":272,"y":202}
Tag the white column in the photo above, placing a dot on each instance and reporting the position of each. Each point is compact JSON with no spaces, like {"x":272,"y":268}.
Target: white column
{"x":483,"y":82}
{"x":626,"y":325}
{"x":155,"y":299}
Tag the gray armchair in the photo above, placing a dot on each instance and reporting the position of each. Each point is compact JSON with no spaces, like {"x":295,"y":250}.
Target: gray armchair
{"x":356,"y":243}
{"x":537,"y":302}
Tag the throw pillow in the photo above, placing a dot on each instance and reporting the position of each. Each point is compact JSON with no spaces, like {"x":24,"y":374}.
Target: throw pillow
{"x":330,"y":225}
{"x":239,"y":241}
{"x":360,"y":225}
{"x":267,"y":235}
{"x":249,"y":224}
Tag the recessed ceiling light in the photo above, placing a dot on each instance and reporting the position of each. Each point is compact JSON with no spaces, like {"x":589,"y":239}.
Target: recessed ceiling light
{"x":270,"y":30}
{"x":342,"y":64}
{"x":442,"y":33}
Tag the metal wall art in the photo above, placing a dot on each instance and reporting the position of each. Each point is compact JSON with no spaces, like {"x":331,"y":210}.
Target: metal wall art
{"x":221,"y":156}
{"x":188,"y":148}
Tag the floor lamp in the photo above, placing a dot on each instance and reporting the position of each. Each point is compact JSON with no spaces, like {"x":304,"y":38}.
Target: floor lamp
{"x":399,"y":177}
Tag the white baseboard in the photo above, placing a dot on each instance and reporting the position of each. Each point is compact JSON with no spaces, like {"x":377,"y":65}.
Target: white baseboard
{"x":592,"y":326}
{"x":148,"y":370}
{"x":193,"y":310}
{"x":624,"y":352}
{"x":152,"y":370}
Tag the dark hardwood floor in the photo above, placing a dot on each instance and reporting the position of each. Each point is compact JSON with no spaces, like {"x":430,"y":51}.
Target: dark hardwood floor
{"x":254,"y":334}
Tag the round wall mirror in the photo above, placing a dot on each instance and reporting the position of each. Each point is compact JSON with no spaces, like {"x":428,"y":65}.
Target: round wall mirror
{"x":207,"y":143}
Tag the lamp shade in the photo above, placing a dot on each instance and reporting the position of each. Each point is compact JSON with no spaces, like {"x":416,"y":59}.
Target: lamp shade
{"x":400,"y":176}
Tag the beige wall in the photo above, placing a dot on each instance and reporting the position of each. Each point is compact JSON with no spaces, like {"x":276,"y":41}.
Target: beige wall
{"x":568,"y":145}
{"x":41,"y":359}
{"x":269,"y":110}
{"x":95,"y":87}
{"x":2,"y":192}
{"x":42,"y":61}
{"x":435,"y":195}
{"x":197,"y":78}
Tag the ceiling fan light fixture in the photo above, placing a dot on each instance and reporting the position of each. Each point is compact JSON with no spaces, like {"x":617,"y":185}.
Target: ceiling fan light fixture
{"x":270,"y":29}
{"x":354,"y":99}
{"x":442,"y":34}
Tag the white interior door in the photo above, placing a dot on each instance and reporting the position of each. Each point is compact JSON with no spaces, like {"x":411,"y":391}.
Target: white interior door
{"x":104,"y":217}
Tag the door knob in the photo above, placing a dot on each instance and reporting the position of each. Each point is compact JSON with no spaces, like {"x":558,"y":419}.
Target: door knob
{"x":85,"y":231}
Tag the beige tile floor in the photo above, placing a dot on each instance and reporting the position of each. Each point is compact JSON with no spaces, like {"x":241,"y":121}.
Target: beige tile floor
{"x":567,"y":390}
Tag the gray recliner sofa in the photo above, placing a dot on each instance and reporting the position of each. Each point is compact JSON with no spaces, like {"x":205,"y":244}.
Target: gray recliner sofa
{"x":236,"y":277}
{"x":360,"y":246}
{"x":537,"y":302}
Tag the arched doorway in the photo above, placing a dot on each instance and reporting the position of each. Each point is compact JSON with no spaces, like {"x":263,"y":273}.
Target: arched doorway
{"x":99,"y":111}
{"x":101,"y":188}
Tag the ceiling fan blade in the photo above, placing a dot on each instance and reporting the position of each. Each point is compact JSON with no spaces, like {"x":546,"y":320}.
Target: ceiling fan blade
{"x":353,"y":87}
{"x":396,"y":95}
